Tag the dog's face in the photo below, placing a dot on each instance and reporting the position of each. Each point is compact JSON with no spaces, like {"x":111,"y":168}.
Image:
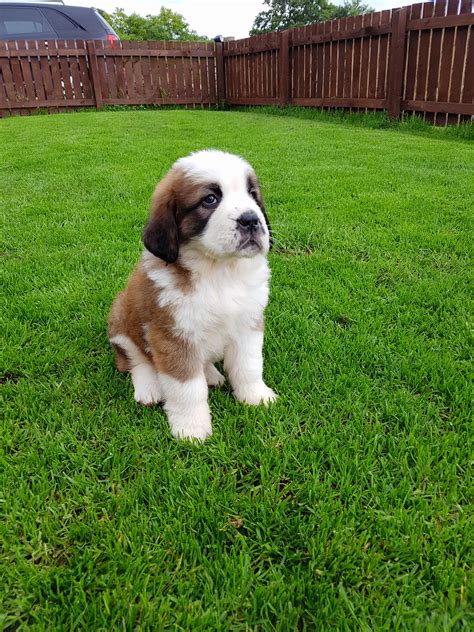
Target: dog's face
{"x":213,"y":201}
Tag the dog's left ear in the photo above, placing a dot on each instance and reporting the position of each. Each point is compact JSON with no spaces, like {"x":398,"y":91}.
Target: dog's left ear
{"x":261,"y":205}
{"x":253,"y":184}
{"x":161,"y":233}
{"x":270,"y":234}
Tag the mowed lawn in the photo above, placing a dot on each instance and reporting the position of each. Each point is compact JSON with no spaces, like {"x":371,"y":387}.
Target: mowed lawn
{"x":344,"y":506}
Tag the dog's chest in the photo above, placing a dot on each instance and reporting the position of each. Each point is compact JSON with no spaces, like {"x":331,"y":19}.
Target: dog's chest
{"x":221,"y":303}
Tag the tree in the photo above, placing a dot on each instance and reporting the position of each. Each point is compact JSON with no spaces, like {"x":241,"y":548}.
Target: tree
{"x":167,"y":25}
{"x":350,"y":8}
{"x":285,"y":14}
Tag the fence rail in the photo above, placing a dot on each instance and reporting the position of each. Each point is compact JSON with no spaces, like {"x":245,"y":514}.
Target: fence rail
{"x":418,"y":58}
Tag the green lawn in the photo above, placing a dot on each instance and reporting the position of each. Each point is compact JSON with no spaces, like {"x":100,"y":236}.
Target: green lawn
{"x":345,"y":506}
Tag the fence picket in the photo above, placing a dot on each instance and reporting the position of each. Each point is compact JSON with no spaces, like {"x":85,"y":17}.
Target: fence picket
{"x":447,"y":52}
{"x":76,"y":84}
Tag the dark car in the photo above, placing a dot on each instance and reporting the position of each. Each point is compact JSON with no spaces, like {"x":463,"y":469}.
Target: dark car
{"x":52,"y":20}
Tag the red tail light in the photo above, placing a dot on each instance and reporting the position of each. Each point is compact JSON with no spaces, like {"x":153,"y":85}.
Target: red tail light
{"x":112,"y":38}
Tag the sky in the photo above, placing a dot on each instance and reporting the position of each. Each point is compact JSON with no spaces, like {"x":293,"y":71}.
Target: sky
{"x":210,"y":17}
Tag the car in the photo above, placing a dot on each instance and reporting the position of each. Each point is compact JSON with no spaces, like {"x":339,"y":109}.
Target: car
{"x":50,"y":20}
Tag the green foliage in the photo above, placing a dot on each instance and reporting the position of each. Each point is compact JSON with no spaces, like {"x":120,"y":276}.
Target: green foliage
{"x":346,"y":505}
{"x":167,"y":25}
{"x":284,"y":14}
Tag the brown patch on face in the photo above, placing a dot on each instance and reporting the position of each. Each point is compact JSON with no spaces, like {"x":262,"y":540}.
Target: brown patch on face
{"x":193,"y":222}
{"x":254,"y":188}
{"x":136,"y":311}
{"x":177,"y":214}
{"x":161,"y":233}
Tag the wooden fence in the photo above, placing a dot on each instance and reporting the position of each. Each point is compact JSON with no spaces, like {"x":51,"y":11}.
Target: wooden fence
{"x":415,"y":59}
{"x":61,"y":75}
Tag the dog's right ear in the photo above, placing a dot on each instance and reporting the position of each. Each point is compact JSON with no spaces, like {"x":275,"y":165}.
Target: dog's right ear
{"x":161,"y":233}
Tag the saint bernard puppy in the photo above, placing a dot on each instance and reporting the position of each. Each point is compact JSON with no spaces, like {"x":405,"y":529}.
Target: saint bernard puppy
{"x":199,"y":292}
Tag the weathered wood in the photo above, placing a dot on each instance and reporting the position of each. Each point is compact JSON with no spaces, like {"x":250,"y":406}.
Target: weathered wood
{"x":438,"y":106}
{"x":364,"y":61}
{"x":440,"y":22}
{"x":52,"y":103}
{"x":284,"y":68}
{"x":412,"y":56}
{"x":356,"y":66}
{"x":96,"y":87}
{"x":220,"y":71}
{"x":85,"y":78}
{"x":54,"y":52}
{"x":151,"y":52}
{"x":383,"y":56}
{"x":252,"y":101}
{"x":179,"y":65}
{"x":337,"y":35}
{"x":161,"y":101}
{"x":259,"y":46}
{"x":434,"y":61}
{"x":396,"y":62}
{"x":341,"y":102}
{"x":374,"y":58}
{"x":102,"y":69}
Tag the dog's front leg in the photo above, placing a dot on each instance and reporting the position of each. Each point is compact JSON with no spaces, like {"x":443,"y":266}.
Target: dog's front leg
{"x":243,"y":362}
{"x":186,"y":406}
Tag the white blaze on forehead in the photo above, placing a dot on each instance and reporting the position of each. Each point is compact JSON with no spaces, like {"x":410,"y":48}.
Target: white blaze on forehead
{"x":222,"y":236}
{"x":217,"y":167}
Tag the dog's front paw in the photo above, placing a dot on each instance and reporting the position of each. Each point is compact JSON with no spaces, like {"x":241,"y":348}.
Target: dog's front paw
{"x":147,"y":390}
{"x":255,"y":394}
{"x":213,"y":377}
{"x":195,"y":426}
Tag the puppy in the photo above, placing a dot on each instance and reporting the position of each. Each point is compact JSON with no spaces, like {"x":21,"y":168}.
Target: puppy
{"x":199,"y":293}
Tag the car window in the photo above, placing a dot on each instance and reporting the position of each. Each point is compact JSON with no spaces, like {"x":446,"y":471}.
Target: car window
{"x":61,"y":23}
{"x":22,"y":20}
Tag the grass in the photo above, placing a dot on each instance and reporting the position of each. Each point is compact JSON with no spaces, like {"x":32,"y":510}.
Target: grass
{"x":411,"y":124}
{"x":345,"y":506}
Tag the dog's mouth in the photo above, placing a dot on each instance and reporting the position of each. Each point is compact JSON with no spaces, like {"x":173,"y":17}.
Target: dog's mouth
{"x":250,"y":244}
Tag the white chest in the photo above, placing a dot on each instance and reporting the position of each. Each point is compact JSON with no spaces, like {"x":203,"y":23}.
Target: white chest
{"x":224,"y":300}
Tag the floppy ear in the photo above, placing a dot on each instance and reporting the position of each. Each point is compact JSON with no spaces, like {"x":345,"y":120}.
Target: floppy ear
{"x":260,"y":203}
{"x":270,"y":234}
{"x":254,"y":183}
{"x":161,"y":233}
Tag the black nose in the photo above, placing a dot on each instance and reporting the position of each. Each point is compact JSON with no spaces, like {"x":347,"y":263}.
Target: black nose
{"x":248,"y":220}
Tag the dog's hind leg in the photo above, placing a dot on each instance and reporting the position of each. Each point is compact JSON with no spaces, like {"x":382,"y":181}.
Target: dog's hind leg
{"x":146,"y":384}
{"x":213,"y":377}
{"x":144,"y":375}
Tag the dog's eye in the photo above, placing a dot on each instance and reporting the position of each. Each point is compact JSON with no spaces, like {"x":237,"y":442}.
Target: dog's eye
{"x":210,"y":201}
{"x":253,"y":193}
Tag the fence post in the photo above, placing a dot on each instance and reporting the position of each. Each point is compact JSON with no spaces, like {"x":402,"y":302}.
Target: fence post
{"x":284,"y":67}
{"x":221,"y":87}
{"x":94,"y":71}
{"x":397,"y":62}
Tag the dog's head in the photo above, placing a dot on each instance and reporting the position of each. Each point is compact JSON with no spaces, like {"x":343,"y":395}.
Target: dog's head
{"x":213,"y":201}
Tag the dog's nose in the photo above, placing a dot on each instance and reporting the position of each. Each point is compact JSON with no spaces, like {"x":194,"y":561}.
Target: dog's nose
{"x":248,"y":220}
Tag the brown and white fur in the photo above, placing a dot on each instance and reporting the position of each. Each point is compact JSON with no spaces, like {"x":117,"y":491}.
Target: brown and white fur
{"x":199,"y":292}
